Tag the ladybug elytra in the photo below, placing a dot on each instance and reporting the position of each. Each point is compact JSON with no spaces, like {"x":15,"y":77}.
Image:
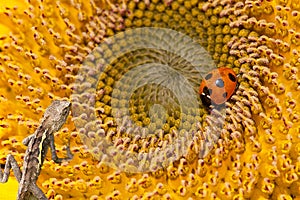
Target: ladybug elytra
{"x":218,"y":86}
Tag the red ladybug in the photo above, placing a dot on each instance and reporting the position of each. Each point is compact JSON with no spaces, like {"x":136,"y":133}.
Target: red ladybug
{"x":218,"y":86}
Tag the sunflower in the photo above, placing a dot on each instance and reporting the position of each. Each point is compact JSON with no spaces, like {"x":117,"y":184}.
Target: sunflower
{"x":248,"y":150}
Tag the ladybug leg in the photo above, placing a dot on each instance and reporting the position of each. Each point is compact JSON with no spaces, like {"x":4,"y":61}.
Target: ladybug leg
{"x":237,"y":86}
{"x":237,"y":82}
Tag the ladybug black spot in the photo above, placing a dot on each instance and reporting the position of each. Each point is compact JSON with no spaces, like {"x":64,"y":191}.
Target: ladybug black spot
{"x":232,"y":77}
{"x":224,"y":94}
{"x":208,"y":76}
{"x":219,"y":83}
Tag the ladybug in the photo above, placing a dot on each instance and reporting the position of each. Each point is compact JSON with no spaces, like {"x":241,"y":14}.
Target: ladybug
{"x":218,"y":86}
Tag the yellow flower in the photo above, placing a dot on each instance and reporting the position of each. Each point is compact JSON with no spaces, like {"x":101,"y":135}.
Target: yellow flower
{"x":43,"y":45}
